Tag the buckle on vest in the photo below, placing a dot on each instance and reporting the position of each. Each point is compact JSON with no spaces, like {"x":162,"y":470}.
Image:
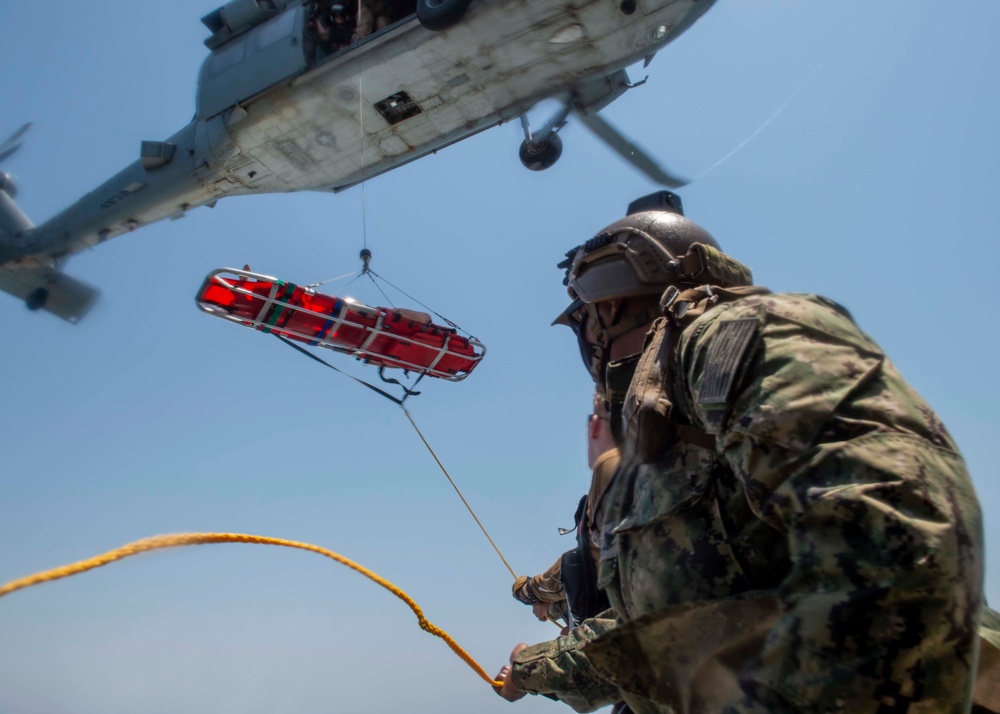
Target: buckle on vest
{"x":691,"y":264}
{"x":668,"y":298}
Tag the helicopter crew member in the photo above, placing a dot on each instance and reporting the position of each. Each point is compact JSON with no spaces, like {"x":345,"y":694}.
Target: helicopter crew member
{"x":334,"y":25}
{"x":568,"y":589}
{"x":792,"y":529}
{"x":375,"y":15}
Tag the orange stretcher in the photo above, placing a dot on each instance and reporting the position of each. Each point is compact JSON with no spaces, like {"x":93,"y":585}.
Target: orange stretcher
{"x":386,"y":337}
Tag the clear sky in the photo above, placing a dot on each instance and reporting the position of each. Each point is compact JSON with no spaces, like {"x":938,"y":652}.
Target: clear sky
{"x":875,"y":184}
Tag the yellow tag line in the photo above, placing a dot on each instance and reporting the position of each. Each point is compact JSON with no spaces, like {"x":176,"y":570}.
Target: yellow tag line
{"x":179,"y":539}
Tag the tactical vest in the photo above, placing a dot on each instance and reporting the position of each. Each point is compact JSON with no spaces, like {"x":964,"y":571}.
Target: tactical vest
{"x":654,"y":414}
{"x":578,"y":574}
{"x":640,"y":388}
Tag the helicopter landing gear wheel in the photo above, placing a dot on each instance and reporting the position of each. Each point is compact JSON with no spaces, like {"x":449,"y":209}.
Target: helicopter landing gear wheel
{"x":439,"y":15}
{"x":540,"y":155}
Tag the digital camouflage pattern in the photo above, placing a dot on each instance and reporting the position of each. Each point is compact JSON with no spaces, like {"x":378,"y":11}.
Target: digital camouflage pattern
{"x":825,"y":556}
{"x":987,"y":691}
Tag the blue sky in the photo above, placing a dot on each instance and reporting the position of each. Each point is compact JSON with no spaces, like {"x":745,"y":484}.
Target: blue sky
{"x":873,"y":182}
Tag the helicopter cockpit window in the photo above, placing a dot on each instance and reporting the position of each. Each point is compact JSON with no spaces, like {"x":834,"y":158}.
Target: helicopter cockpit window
{"x":227,"y":57}
{"x":276,"y":30}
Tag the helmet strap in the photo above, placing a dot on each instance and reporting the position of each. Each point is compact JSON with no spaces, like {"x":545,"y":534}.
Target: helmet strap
{"x":625,"y":324}
{"x":617,"y":378}
{"x":596,"y":354}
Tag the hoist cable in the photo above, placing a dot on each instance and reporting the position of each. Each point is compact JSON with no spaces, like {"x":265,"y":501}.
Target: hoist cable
{"x":330,"y":280}
{"x":361,"y":143}
{"x":450,"y":323}
{"x":391,"y":398}
{"x":349,"y":282}
{"x":182,"y":539}
{"x":369,"y":274}
{"x":472,"y":513}
{"x":448,"y":476}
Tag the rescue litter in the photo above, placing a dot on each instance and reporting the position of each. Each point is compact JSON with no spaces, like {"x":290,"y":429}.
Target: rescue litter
{"x":384,"y":337}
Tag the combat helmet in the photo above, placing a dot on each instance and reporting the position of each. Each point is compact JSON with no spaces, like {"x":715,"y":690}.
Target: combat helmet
{"x":653,"y":247}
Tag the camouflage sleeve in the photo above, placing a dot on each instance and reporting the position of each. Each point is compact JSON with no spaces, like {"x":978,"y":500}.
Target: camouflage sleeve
{"x":987,"y":691}
{"x":561,"y":668}
{"x":882,"y":592}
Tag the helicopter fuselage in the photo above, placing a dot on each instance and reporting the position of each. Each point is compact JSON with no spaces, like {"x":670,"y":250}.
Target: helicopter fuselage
{"x":274,"y":113}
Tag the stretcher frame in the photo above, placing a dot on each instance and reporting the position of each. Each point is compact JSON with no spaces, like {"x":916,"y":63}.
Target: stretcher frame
{"x":362,"y":352}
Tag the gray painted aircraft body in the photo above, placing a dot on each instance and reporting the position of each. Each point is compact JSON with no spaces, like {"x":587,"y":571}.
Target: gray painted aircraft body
{"x":276,"y":113}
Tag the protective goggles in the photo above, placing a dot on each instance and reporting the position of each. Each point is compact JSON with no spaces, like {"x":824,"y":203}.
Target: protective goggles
{"x":575,"y":318}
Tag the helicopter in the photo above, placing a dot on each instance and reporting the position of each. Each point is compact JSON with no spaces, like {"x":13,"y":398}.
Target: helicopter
{"x":278,"y":109}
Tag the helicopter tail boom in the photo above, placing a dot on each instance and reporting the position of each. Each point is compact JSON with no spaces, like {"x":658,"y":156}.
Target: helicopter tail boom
{"x":48,"y":288}
{"x":40,"y":286}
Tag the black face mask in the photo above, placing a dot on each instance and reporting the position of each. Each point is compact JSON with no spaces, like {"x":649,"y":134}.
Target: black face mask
{"x":617,"y":378}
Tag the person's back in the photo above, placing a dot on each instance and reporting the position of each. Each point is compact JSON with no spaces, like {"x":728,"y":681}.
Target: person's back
{"x":792,"y":528}
{"x":836,"y":512}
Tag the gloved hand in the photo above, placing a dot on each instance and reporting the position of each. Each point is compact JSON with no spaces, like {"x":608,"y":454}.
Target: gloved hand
{"x":521,"y":590}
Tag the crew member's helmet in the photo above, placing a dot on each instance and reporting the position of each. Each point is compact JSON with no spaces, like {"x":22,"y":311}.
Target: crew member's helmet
{"x":339,"y":11}
{"x":635,"y":256}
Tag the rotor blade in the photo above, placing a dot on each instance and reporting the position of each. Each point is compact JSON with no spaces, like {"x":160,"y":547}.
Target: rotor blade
{"x":631,"y":152}
{"x":13,"y":142}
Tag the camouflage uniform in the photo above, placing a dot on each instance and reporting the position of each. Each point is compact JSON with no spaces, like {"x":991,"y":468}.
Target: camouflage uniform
{"x":824,"y":554}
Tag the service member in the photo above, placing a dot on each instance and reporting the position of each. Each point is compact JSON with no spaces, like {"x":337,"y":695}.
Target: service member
{"x":568,"y":589}
{"x":792,"y":529}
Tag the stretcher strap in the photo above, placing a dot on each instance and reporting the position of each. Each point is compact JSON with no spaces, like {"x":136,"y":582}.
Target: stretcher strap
{"x":279,"y":308}
{"x":324,"y":331}
{"x":337,"y":319}
{"x":372,"y":387}
{"x":441,"y":352}
{"x":374,"y":332}
{"x":275,"y":286}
